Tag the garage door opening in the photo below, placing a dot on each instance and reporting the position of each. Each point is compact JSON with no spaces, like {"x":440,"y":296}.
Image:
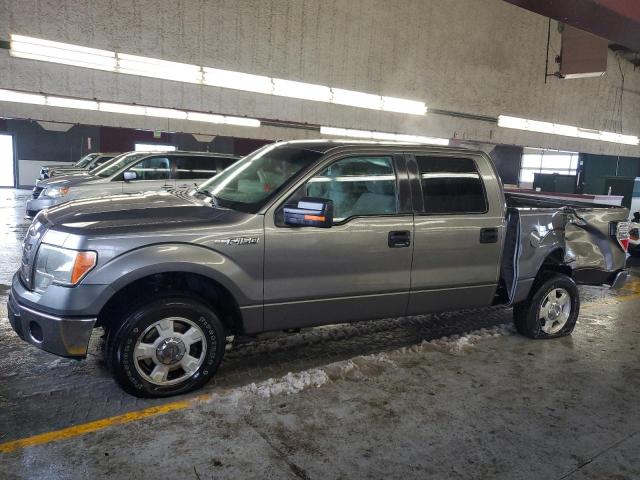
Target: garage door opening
{"x":7,"y":177}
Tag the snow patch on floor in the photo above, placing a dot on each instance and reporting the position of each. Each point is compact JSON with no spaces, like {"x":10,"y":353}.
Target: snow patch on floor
{"x":289,"y":384}
{"x":361,"y":366}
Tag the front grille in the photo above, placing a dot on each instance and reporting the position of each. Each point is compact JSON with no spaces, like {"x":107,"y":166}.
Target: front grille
{"x":29,"y":249}
{"x":37,"y":191}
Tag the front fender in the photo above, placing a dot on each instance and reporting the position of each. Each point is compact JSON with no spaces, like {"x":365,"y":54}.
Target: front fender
{"x":180,"y":257}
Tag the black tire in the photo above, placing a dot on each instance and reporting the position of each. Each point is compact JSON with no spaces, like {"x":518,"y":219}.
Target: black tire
{"x":526,"y":314}
{"x":122,"y":341}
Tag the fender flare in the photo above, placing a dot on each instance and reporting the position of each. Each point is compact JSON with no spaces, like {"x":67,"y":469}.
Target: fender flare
{"x":148,"y":260}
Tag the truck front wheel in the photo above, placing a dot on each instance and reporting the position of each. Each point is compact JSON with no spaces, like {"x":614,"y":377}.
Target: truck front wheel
{"x":166,"y":347}
{"x":551,"y":310}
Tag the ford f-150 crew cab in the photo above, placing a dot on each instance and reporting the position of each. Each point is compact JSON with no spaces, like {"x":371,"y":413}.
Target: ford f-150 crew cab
{"x":300,"y":234}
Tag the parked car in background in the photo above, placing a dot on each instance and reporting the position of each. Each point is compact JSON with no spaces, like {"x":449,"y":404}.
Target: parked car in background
{"x":300,"y":234}
{"x":95,"y":161}
{"x":129,"y":173}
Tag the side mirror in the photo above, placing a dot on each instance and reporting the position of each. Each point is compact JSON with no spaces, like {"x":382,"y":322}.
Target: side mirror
{"x":128,"y":176}
{"x":310,"y":212}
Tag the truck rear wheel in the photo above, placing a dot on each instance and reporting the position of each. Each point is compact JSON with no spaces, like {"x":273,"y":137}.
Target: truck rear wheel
{"x":551,"y":310}
{"x":166,"y":347}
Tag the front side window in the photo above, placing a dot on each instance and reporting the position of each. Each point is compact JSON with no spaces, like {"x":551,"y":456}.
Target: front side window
{"x":249,"y":183}
{"x":451,"y":185}
{"x":113,"y":166}
{"x":152,"y":168}
{"x":195,"y":167}
{"x":357,"y":186}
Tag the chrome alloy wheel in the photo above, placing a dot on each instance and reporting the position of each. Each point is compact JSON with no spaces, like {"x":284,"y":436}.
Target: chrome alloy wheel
{"x":170,"y":351}
{"x":555,"y":311}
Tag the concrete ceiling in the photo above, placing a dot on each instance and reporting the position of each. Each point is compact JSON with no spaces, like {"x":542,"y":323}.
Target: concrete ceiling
{"x":615,"y":20}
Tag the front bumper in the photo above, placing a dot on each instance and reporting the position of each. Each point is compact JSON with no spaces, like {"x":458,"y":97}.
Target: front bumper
{"x":67,"y":336}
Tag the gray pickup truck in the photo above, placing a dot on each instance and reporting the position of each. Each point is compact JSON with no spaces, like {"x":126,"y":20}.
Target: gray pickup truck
{"x":300,"y":234}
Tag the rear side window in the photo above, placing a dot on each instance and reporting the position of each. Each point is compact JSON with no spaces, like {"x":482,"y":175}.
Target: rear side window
{"x":451,"y":185}
{"x":196,"y":167}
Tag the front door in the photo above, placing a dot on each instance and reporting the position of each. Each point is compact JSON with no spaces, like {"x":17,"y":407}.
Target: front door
{"x":357,"y":269}
{"x":152,"y":173}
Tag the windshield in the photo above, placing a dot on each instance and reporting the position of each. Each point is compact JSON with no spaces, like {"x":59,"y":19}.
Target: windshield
{"x":100,"y":160}
{"x":116,"y":163}
{"x":250,"y":182}
{"x":84,"y":161}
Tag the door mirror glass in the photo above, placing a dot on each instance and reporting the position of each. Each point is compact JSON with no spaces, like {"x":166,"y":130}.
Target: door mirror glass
{"x":128,"y":176}
{"x":309,"y":212}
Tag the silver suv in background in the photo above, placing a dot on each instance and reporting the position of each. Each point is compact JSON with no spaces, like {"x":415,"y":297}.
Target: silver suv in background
{"x":130,"y":173}
{"x":86,"y":163}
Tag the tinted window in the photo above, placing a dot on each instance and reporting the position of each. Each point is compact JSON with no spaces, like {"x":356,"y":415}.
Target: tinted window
{"x":451,"y":185}
{"x":152,"y":168}
{"x":195,"y":167}
{"x":357,"y":186}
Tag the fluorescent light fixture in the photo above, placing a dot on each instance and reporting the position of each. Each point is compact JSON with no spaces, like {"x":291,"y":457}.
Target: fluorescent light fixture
{"x":85,"y":104}
{"x":65,"y":53}
{"x":204,"y":117}
{"x":151,"y":67}
{"x":237,"y":80}
{"x":75,"y":55}
{"x":382,"y":136}
{"x":356,"y":99}
{"x":153,"y":147}
{"x":304,"y":91}
{"x":165,"y":113}
{"x":506,"y":121}
{"x":400,"y":105}
{"x":122,"y":108}
{"x":72,"y":103}
{"x":241,"y":121}
{"x":19,"y":97}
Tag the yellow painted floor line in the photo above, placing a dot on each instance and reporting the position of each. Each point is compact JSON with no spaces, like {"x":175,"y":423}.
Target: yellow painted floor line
{"x":96,"y":425}
{"x":84,"y":428}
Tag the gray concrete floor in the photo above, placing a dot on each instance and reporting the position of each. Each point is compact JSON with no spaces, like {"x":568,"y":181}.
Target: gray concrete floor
{"x":396,"y":400}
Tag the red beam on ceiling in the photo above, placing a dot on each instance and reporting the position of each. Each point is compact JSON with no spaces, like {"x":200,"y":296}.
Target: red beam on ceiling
{"x":615,"y":20}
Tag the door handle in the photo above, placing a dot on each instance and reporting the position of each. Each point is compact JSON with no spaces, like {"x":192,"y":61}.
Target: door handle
{"x":399,"y":239}
{"x":489,"y":235}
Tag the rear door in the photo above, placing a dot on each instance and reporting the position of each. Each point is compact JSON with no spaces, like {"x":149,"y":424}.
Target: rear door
{"x":357,"y":269}
{"x":152,"y":173}
{"x":458,"y":232}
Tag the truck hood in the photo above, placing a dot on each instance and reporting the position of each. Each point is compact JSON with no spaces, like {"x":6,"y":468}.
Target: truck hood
{"x":139,"y":212}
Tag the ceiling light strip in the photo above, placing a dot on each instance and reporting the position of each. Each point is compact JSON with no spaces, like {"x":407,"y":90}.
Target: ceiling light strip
{"x":382,"y":136}
{"x":506,"y":121}
{"x":75,"y":55}
{"x":146,"y":111}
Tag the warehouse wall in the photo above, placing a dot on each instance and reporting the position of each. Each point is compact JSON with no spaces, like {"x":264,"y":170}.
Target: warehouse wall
{"x":483,"y":57}
{"x":596,"y":167}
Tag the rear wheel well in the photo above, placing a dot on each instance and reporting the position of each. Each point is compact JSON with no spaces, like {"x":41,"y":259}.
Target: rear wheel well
{"x":202,"y":288}
{"x":554,"y":263}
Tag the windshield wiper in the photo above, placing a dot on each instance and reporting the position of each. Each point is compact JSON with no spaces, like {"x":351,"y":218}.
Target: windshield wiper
{"x":214,"y":199}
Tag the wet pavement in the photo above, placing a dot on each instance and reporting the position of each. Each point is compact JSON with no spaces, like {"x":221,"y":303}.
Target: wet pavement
{"x":497,"y":407}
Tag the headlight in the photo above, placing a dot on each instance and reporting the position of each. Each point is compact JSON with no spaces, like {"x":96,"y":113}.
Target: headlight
{"x":61,"y":266}
{"x":56,"y":192}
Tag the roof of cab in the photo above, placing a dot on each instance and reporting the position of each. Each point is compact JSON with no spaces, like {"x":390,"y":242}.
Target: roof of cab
{"x":324,"y":145}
